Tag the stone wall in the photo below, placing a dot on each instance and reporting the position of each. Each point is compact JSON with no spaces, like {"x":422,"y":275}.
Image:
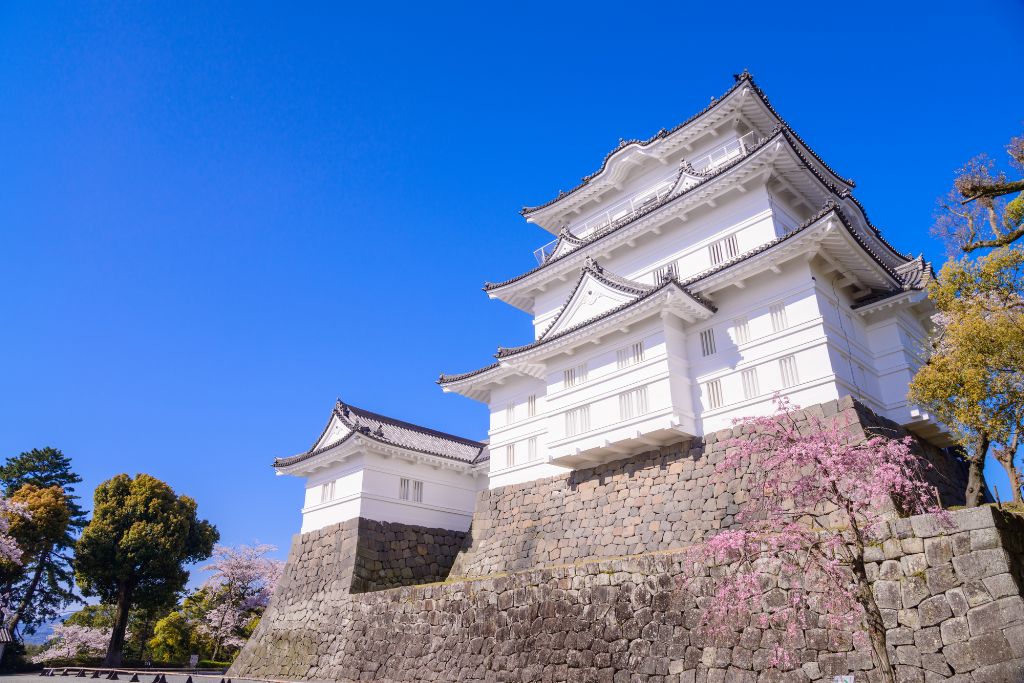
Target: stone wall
{"x":390,"y":554}
{"x":658,"y":500}
{"x":950,"y":598}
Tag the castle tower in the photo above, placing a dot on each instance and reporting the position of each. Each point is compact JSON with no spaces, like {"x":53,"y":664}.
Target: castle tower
{"x":692,"y":277}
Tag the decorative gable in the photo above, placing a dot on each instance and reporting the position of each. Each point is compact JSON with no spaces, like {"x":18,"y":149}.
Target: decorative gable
{"x":335,"y":431}
{"x":595,"y":294}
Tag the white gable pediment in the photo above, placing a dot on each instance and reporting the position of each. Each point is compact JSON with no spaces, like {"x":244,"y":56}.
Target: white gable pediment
{"x":336,"y":430}
{"x":591,"y":298}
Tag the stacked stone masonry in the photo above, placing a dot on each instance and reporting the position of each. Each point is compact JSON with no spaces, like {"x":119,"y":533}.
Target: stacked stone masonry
{"x":571,"y":609}
{"x":659,"y":500}
{"x":950,"y":597}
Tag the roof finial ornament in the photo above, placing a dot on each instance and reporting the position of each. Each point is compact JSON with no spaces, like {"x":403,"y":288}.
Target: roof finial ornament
{"x":740,"y":76}
{"x":592,"y":264}
{"x":622,"y":142}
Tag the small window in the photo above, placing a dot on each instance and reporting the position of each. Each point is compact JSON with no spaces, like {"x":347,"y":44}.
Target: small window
{"x":531,"y":405}
{"x":633,"y":403}
{"x":713,"y":393}
{"x":510,"y":413}
{"x":668,"y":271}
{"x":750,"y":386}
{"x":787,"y":368}
{"x":327,"y":492}
{"x":510,"y":455}
{"x":531,"y":448}
{"x":778,"y":313}
{"x":707,"y":342}
{"x":577,"y":421}
{"x":631,"y":355}
{"x":740,"y":330}
{"x":403,"y":489}
{"x":723,"y":250}
{"x":417,"y":491}
{"x":575,"y":376}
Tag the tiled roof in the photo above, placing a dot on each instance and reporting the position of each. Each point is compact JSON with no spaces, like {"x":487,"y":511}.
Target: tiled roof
{"x":741,"y":79}
{"x":511,"y":351}
{"x":913,"y":275}
{"x":393,"y":432}
{"x":778,"y":133}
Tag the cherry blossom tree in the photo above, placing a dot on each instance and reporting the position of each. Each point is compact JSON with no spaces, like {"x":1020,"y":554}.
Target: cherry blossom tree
{"x":239,"y":589}
{"x":71,"y":641}
{"x":10,"y":511}
{"x":812,"y":496}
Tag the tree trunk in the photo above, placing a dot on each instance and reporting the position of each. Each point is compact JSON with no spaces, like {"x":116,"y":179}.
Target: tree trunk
{"x":116,"y":647}
{"x":873,"y":619}
{"x":976,"y":473}
{"x":1005,"y":458}
{"x":19,"y":613}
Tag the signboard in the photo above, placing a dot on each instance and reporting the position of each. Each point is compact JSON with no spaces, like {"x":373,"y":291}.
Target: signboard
{"x":193,"y":662}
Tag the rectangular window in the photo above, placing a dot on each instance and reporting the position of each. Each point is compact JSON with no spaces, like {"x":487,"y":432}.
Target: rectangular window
{"x":631,"y":355}
{"x":577,"y":421}
{"x":633,"y":403}
{"x":707,"y":342}
{"x":403,"y":489}
{"x":778,"y":313}
{"x":713,"y":393}
{"x":531,"y":405}
{"x":510,"y":455}
{"x":787,"y":368}
{"x":750,"y":386}
{"x":575,"y":376}
{"x":510,"y":413}
{"x":724,"y":250}
{"x":740,"y":331}
{"x":327,"y":492}
{"x":666,"y":272}
{"x":531,"y":448}
{"x":417,"y":491}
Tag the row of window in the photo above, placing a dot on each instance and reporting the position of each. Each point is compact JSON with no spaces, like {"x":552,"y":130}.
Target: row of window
{"x":408,"y":489}
{"x":632,"y":403}
{"x":751,"y":385}
{"x":514,"y":456}
{"x":512,"y":414}
{"x":624,"y":357}
{"x":741,"y":329}
{"x":719,"y":252}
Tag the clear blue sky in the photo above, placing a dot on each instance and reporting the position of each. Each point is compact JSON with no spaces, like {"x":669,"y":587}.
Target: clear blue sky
{"x":215,"y":220}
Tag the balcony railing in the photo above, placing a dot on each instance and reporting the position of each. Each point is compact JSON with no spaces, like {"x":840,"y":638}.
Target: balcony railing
{"x":725,"y":152}
{"x":631,"y":207}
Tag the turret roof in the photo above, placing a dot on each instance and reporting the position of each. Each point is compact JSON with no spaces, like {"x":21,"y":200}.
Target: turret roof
{"x":392,"y":432}
{"x":741,"y":80}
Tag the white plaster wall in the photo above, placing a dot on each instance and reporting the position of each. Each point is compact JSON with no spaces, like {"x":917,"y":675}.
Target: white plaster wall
{"x":367,"y":485}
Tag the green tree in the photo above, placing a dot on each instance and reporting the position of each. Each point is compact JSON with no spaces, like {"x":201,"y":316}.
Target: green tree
{"x":974,"y":380}
{"x":173,"y":638}
{"x":44,"y":587}
{"x":985,"y":208}
{"x":134,"y":551}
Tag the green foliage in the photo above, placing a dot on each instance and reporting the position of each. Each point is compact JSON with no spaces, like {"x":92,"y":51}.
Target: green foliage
{"x":44,"y":586}
{"x":172,"y":639}
{"x":974,"y":380}
{"x":135,"y":549}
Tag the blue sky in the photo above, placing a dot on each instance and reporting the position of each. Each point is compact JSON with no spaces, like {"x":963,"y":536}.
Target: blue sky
{"x":216,"y":219}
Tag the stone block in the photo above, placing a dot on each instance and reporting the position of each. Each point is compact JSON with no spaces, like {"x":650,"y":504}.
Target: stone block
{"x":934,"y":610}
{"x":928,"y":639}
{"x":887,"y":594}
{"x":938,"y":551}
{"x":941,"y":579}
{"x":957,"y":601}
{"x":955,"y":630}
{"x":913,"y":564}
{"x":981,"y":563}
{"x":960,"y":656}
{"x":1004,"y":672}
{"x":908,"y":655}
{"x":990,"y":648}
{"x":914,"y":589}
{"x":1001,"y":585}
